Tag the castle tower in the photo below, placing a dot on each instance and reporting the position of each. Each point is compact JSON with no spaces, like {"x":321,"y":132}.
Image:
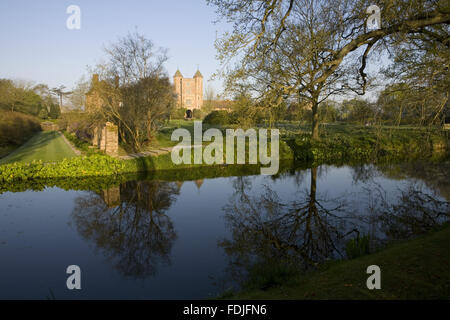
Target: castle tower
{"x":189,"y":90}
{"x":178,"y":84}
{"x":198,"y":77}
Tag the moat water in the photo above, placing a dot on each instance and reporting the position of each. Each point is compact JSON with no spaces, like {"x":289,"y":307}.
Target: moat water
{"x":153,"y":239}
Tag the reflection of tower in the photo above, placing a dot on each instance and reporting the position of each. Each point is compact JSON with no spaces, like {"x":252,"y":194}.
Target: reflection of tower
{"x":199,"y":183}
{"x":111,"y":197}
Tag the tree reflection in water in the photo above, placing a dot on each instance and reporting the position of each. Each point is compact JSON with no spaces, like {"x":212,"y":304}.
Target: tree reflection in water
{"x":416,"y":212}
{"x":135,"y":234}
{"x":419,"y":206}
{"x":265,"y":231}
{"x":270,"y":237}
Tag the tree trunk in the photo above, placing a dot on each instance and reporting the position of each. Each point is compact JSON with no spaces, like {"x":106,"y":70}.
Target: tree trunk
{"x":315,"y":120}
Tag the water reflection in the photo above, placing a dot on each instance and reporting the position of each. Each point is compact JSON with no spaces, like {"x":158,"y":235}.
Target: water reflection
{"x":416,"y":212}
{"x":129,"y":225}
{"x":267,"y":232}
{"x":270,"y":234}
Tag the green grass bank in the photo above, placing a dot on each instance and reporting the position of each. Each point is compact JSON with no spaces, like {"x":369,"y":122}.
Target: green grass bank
{"x":337,"y":146}
{"x":47,"y":146}
{"x":413,"y":269}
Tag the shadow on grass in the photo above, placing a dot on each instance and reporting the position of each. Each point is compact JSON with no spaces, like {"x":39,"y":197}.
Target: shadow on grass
{"x":32,"y":146}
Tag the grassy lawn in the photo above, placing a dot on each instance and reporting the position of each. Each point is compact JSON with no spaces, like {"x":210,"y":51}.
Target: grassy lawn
{"x":415,"y":269}
{"x":4,"y":151}
{"x":45,"y":146}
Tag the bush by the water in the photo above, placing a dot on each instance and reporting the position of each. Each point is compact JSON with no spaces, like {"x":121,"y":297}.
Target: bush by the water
{"x":16,"y":128}
{"x":368,"y":145}
{"x":357,"y":247}
{"x":92,"y":166}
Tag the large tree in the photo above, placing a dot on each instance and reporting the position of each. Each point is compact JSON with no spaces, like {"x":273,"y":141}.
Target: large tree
{"x":136,"y":91}
{"x":314,"y":48}
{"x":23,"y":97}
{"x":420,"y":72}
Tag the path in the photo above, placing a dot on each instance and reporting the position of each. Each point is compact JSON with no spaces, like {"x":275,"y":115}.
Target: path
{"x":48,"y":146}
{"x":151,"y":153}
{"x":155,"y":152}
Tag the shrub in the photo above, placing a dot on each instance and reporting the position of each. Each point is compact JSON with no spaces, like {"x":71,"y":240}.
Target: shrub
{"x":91,"y":166}
{"x":79,"y":144}
{"x":358,"y":247}
{"x":16,"y":128}
{"x":178,"y":113}
{"x":198,"y":114}
{"x":217,"y":118}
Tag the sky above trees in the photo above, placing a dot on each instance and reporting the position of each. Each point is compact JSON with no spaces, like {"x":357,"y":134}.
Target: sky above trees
{"x":37,"y":46}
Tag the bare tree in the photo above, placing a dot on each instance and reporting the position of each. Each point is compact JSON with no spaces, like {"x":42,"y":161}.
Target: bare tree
{"x":78,"y":96}
{"x":136,"y":91}
{"x":210,"y":96}
{"x":60,"y":93}
{"x":135,"y":57}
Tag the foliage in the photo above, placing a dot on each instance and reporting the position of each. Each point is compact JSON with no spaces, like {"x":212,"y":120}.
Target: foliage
{"x":198,"y":113}
{"x":358,"y":111}
{"x":178,"y":113}
{"x":16,"y":128}
{"x":358,"y":247}
{"x":290,"y":49}
{"x":338,"y":145}
{"x":136,"y":93}
{"x":146,"y":106}
{"x":218,"y":118}
{"x":55,"y":111}
{"x":344,"y":144}
{"x":328,"y":112}
{"x":81,"y":145}
{"x":21,"y":97}
{"x":421,"y":71}
{"x":77,"y":122}
{"x":91,"y":166}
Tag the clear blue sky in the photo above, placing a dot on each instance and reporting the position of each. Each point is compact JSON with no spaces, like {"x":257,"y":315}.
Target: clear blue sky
{"x":37,"y":46}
